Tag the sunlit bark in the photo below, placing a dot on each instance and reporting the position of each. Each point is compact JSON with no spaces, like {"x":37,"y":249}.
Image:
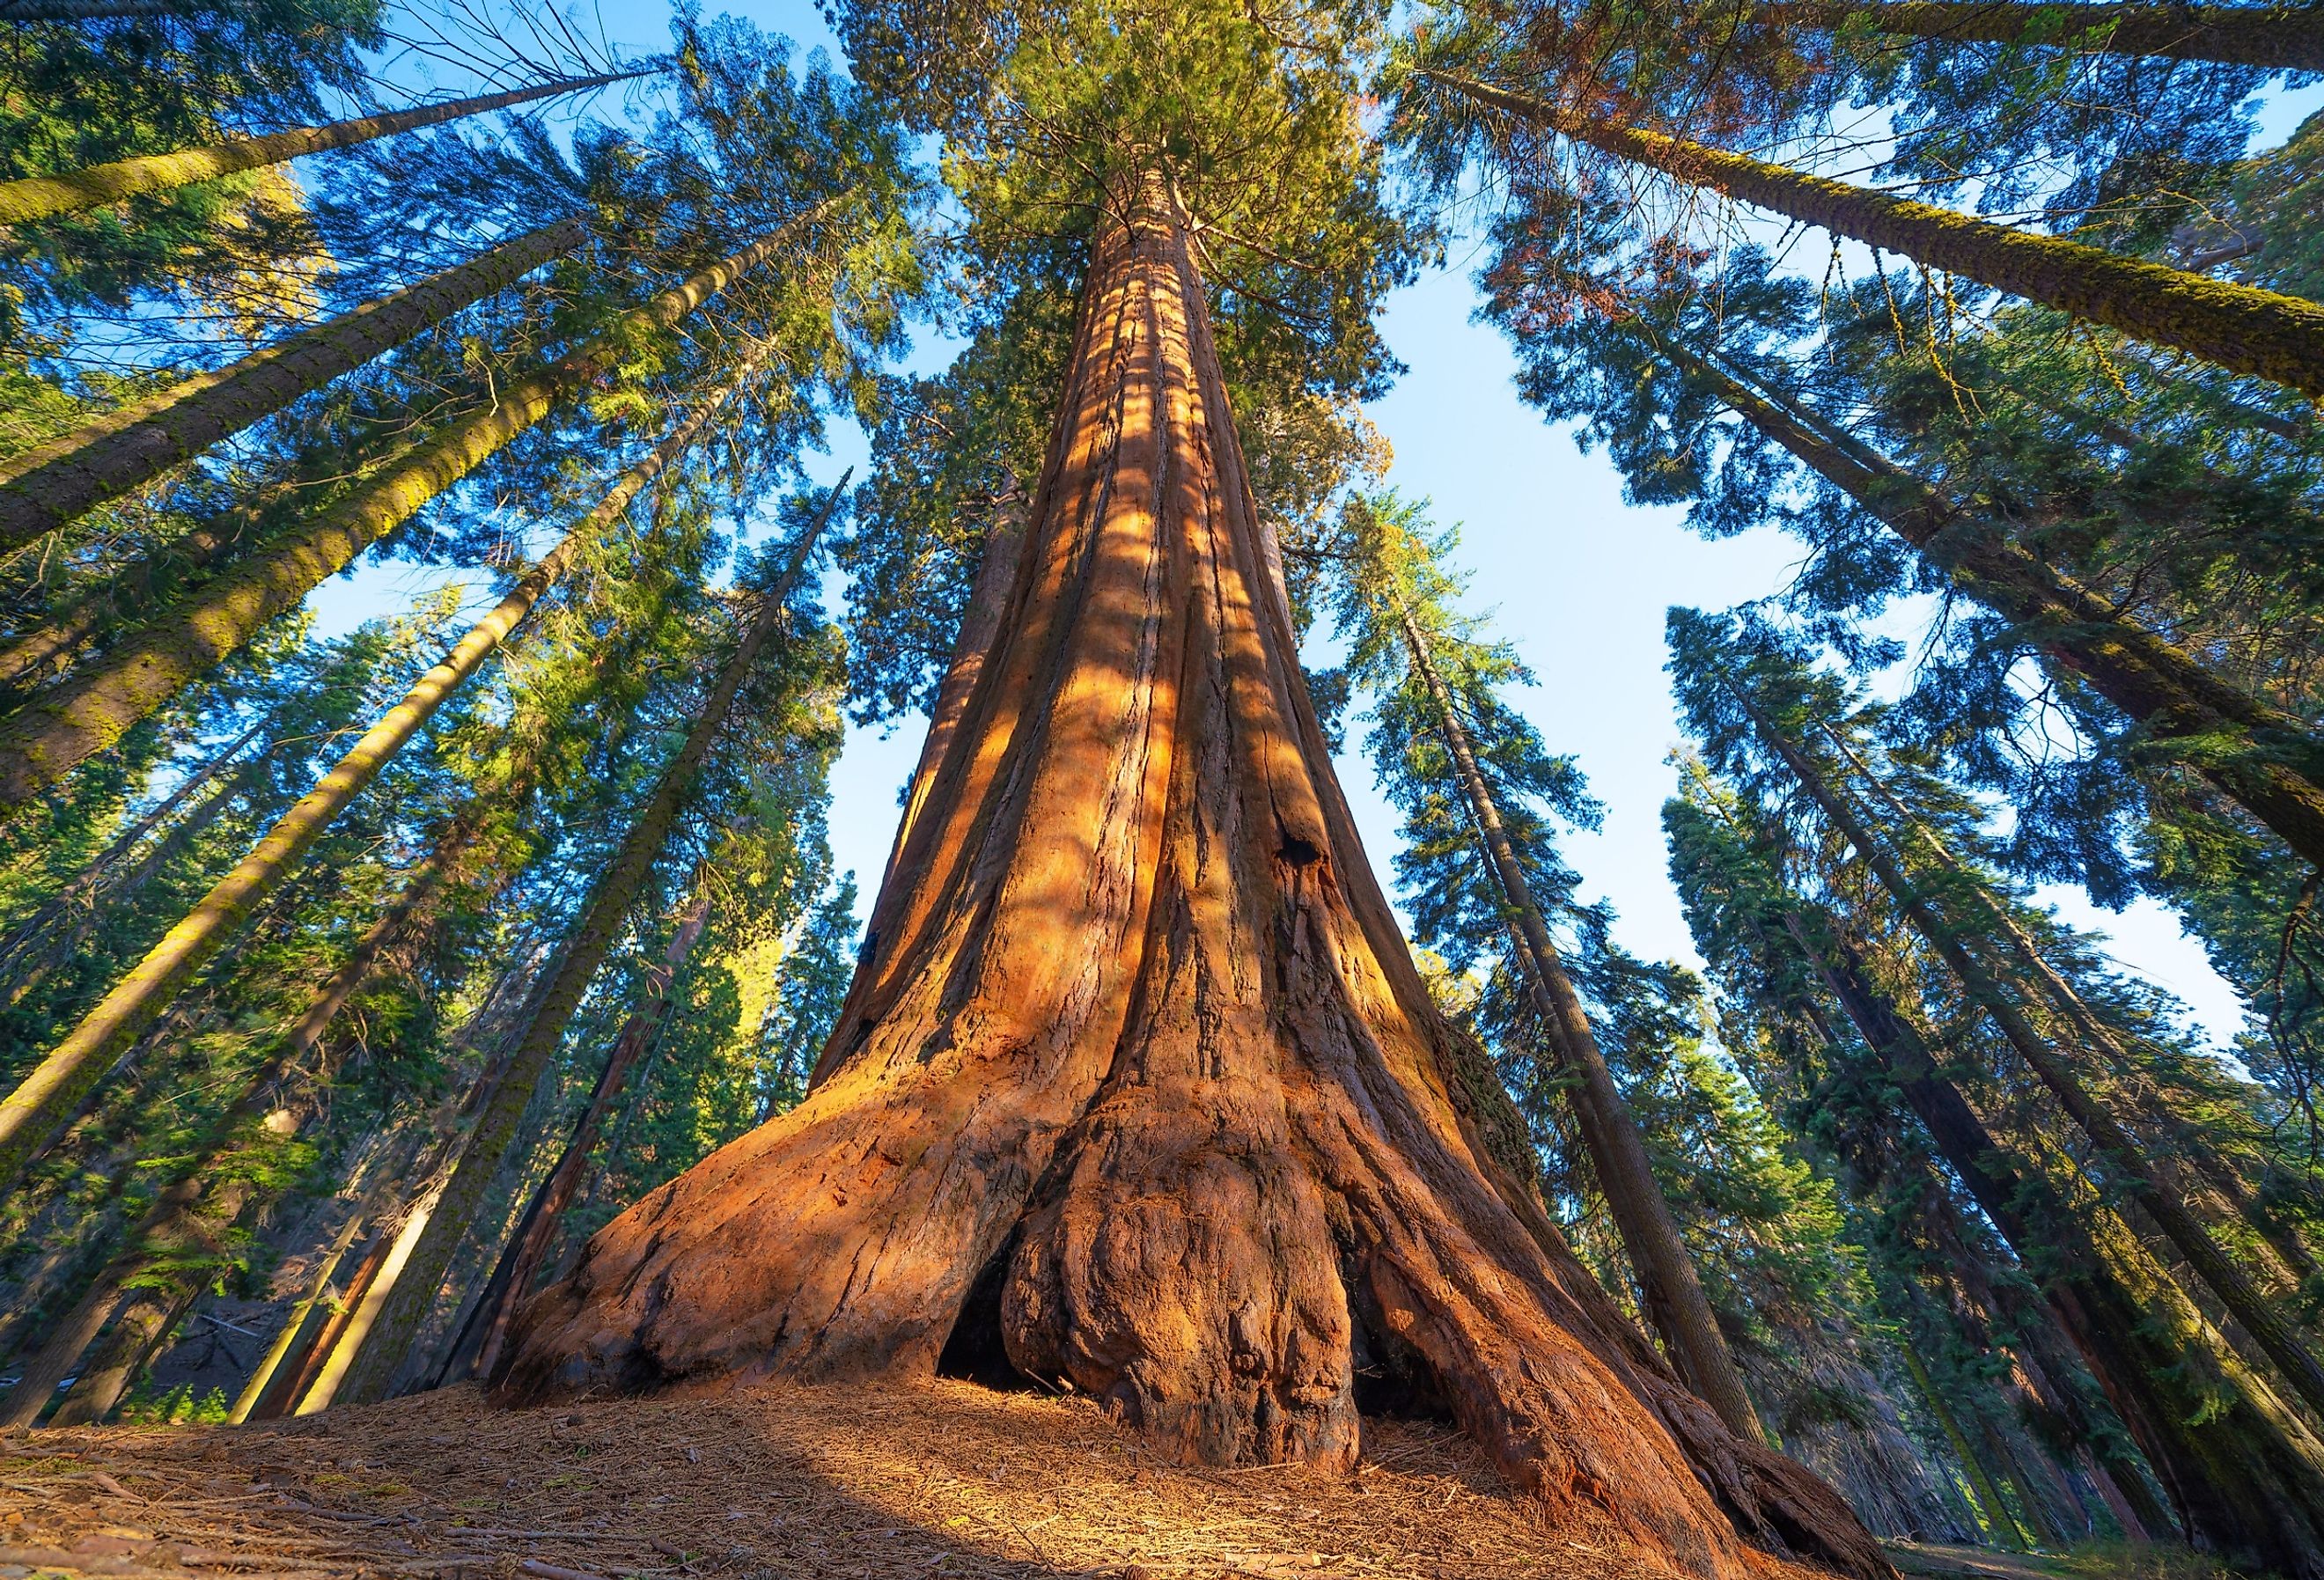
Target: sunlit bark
{"x":1138,"y":1089}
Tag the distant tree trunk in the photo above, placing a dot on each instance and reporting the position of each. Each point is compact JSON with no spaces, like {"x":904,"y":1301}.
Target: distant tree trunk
{"x":2155,"y":683}
{"x":2281,"y":38}
{"x":2191,"y":1164}
{"x":91,"y":709}
{"x":2240,"y":328}
{"x":47,"y":486}
{"x":536,"y":1232}
{"x":1672,"y":1292}
{"x":1140,"y":1088}
{"x":585,"y":951}
{"x":2123,"y":1155}
{"x":2245,"y":1471}
{"x":74,"y":1332}
{"x":267,"y":1371}
{"x":66,"y":922}
{"x":71,"y":191}
{"x":153,"y":1309}
{"x":75,"y":1063}
{"x":1999,"y":1523}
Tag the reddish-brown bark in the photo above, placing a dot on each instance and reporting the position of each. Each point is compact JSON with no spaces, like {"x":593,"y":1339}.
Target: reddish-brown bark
{"x":1137,"y":1082}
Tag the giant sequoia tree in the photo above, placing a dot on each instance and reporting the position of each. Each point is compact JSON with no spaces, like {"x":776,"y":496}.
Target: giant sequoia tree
{"x":1136,"y":1085}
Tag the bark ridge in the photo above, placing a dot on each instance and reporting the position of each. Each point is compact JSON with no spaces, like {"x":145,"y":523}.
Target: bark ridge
{"x":1136,"y":1083}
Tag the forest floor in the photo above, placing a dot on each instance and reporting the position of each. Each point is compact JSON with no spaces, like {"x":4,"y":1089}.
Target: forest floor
{"x":949,"y":1480}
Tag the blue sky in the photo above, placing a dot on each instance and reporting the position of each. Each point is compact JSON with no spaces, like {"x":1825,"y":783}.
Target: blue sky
{"x":1576,"y":579}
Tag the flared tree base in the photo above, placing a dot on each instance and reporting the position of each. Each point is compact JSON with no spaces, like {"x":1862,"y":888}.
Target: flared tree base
{"x":1137,"y":1079}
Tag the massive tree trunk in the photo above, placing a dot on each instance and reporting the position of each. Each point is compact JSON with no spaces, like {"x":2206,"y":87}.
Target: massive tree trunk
{"x":51,"y":483}
{"x":1670,"y":1292}
{"x":2281,"y":37}
{"x":1138,"y":1085}
{"x":71,"y":191}
{"x":2240,"y":328}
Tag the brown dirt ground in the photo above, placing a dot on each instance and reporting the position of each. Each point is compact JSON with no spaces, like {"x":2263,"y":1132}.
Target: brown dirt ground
{"x":949,"y":1480}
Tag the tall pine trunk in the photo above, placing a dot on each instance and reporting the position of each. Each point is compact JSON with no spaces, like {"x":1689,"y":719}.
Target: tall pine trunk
{"x":2244,"y":1471}
{"x":63,"y":1078}
{"x":71,"y":722}
{"x":1672,"y":1292}
{"x":1139,"y":1088}
{"x":88,"y":614}
{"x":528,"y":1249}
{"x":2240,"y":327}
{"x":2281,"y":38}
{"x":2277,"y":774}
{"x":2122,"y":1154}
{"x":71,"y":191}
{"x":49,"y":485}
{"x":585,"y":951}
{"x":2192,"y":1165}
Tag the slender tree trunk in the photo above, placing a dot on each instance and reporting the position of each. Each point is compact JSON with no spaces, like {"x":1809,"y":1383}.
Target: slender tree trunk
{"x":2245,"y":1471}
{"x":2213,"y":1175}
{"x":36,"y":936}
{"x":65,"y":941}
{"x":40,"y":655}
{"x":1140,"y":1089}
{"x":73,"y":721}
{"x":1999,"y":1523}
{"x":73,"y":1065}
{"x":536,"y":1232}
{"x":2240,"y":328}
{"x":1672,"y":1293}
{"x":268,"y":1371}
{"x":45,"y":197}
{"x":49,"y":485}
{"x":609,"y":903}
{"x":2124,"y":1155}
{"x":53,"y":1362}
{"x":155,"y":1305}
{"x":2281,"y":38}
{"x":2277,"y":778}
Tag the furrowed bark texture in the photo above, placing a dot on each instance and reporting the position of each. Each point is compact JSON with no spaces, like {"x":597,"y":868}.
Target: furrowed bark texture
{"x":65,"y":1075}
{"x":1672,"y":1292}
{"x":1138,"y":1085}
{"x":2240,"y":327}
{"x":95,"y":706}
{"x":43,"y":197}
{"x":2279,"y":779}
{"x":2245,"y":1473}
{"x":585,"y":951}
{"x":51,"y":485}
{"x":2285,"y":38}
